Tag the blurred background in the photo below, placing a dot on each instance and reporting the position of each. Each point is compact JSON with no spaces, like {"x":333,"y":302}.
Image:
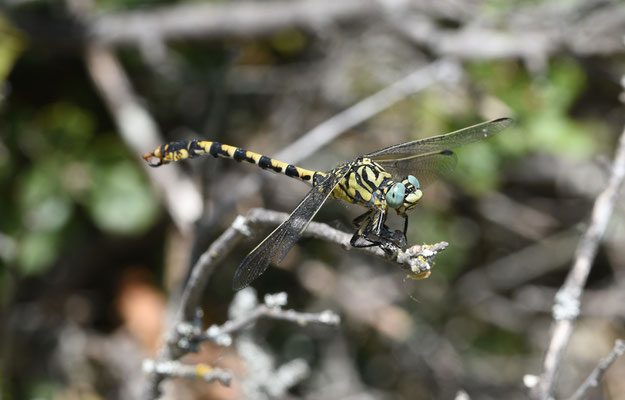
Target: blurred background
{"x":93,"y":245}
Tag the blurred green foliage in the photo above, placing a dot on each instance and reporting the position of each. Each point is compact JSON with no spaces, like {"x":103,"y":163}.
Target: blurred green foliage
{"x":541,"y":106}
{"x":64,"y":164}
{"x":12,"y":43}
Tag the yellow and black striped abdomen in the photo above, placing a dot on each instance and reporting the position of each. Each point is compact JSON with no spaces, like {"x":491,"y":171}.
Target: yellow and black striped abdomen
{"x":177,"y":151}
{"x":365,"y":184}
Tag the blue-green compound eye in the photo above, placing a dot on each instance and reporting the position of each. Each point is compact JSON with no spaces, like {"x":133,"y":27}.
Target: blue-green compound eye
{"x":414,"y":181}
{"x":395,"y":195}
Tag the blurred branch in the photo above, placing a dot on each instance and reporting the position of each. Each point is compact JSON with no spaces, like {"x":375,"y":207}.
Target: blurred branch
{"x":567,"y":300}
{"x":446,"y":71}
{"x":517,"y":268}
{"x":476,"y":43}
{"x":462,"y":395}
{"x":602,"y":303}
{"x":175,"y":369}
{"x":218,"y":20}
{"x":533,"y":32}
{"x":135,"y":124}
{"x":139,"y":130}
{"x":244,"y":311}
{"x":270,"y":309}
{"x":519,"y":218}
{"x":424,"y":349}
{"x":596,"y":375}
{"x":263,"y":377}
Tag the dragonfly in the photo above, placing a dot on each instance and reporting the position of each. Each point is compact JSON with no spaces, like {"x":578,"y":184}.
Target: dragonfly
{"x":390,"y":178}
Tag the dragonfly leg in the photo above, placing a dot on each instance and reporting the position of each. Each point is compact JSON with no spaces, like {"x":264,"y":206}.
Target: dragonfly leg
{"x":361,"y":218}
{"x":388,"y":246}
{"x":369,"y":242}
{"x":365,"y":226}
{"x":374,"y":232}
{"x":405,"y":238}
{"x":385,"y":234}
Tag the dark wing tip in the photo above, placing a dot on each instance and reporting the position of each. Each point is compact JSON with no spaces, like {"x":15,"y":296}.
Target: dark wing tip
{"x":242,"y":278}
{"x":239,"y":283}
{"x":249,"y":270}
{"x":504,"y":122}
{"x":236,"y":285}
{"x":446,"y":152}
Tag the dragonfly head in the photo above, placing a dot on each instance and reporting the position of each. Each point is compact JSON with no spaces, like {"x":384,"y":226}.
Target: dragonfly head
{"x":403,"y":196}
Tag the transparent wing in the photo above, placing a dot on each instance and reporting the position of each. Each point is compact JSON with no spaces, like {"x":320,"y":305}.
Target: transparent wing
{"x":284,"y":237}
{"x":428,"y":168}
{"x":436,"y":144}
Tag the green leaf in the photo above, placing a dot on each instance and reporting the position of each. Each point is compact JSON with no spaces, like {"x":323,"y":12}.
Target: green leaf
{"x":44,"y":206}
{"x":37,"y":251}
{"x":478,"y":168}
{"x":120,"y":201}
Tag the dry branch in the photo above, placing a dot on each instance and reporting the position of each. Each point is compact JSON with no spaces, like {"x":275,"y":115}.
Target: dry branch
{"x":244,"y":311}
{"x":218,"y":20}
{"x":175,"y":369}
{"x":567,"y":301}
{"x":596,"y":375}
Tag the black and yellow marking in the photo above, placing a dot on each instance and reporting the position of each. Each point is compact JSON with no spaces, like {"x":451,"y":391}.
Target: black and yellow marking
{"x":361,"y":185}
{"x":178,"y":151}
{"x":366,"y":184}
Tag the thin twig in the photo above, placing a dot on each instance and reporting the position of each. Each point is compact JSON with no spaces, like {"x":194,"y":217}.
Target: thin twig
{"x":272,"y":308}
{"x":244,"y":311}
{"x":263,"y":377}
{"x":440,"y":71}
{"x":327,"y":317}
{"x":175,"y":369}
{"x":567,"y":301}
{"x":596,"y":375}
{"x":532,"y":33}
{"x":512,"y":270}
{"x":240,"y":19}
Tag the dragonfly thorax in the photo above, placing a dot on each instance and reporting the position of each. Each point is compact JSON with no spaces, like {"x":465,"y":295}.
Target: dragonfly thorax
{"x":369,"y":185}
{"x":403,"y":196}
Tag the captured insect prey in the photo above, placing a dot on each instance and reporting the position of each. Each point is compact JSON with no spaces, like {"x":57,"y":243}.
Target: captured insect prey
{"x":392,"y":177}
